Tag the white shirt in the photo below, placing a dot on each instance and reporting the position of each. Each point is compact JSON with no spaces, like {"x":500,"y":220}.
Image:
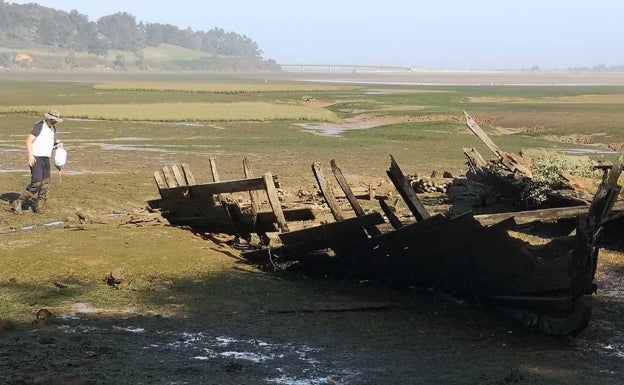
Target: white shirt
{"x":44,"y":142}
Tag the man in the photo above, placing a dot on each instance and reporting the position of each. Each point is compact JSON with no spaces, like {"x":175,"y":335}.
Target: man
{"x":40,"y":144}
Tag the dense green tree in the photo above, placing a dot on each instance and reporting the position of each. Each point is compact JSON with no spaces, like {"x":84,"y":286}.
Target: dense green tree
{"x":34,"y":26}
{"x":121,"y":31}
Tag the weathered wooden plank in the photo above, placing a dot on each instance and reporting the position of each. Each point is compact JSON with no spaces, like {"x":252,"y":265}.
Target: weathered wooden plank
{"x":180,"y":212}
{"x":160,"y":180}
{"x":331,"y":235}
{"x":209,"y":189}
{"x":546,"y":215}
{"x":524,"y":217}
{"x":448,"y":253}
{"x":253,"y":195}
{"x":213,"y":170}
{"x":339,"y":228}
{"x":276,"y":206}
{"x":188,"y":174}
{"x":392,"y":218}
{"x":406,"y":191}
{"x":342,"y":182}
{"x":243,"y":228}
{"x":215,"y":178}
{"x":291,"y":215}
{"x":181,"y":206}
{"x":327,"y":192}
{"x":474,"y":158}
{"x":478,"y":131}
{"x":178,"y":174}
{"x":508,"y":160}
{"x":188,"y":212}
{"x":605,"y":196}
{"x":169,"y":178}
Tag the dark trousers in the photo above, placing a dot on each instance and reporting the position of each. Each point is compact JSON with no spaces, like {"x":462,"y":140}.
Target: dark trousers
{"x":40,"y":179}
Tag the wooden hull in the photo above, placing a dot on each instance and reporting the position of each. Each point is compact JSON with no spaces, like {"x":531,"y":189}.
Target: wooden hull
{"x":546,"y":286}
{"x":539,"y":285}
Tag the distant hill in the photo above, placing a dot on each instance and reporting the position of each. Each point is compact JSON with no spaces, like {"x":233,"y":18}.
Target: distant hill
{"x":35,"y":36}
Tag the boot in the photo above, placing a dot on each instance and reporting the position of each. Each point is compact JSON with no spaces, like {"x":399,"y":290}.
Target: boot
{"x":40,"y":208}
{"x":17,"y":205}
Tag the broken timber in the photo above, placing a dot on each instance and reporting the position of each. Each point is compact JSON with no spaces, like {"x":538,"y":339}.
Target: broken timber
{"x":203,"y":208}
{"x":548,"y":287}
{"x":510,"y":175}
{"x":510,"y":161}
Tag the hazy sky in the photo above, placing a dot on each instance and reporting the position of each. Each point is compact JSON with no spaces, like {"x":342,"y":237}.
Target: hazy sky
{"x":454,"y":34}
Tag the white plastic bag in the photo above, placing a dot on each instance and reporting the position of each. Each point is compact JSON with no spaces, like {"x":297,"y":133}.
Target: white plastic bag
{"x":60,"y":158}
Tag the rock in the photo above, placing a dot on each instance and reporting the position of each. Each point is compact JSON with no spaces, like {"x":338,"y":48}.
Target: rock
{"x":116,"y":277}
{"x":44,"y":317}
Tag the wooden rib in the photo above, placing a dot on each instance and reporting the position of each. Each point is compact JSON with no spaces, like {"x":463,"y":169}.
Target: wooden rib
{"x":330,"y":235}
{"x":213,"y":170}
{"x":392,"y":218}
{"x":169,"y":178}
{"x":274,"y":201}
{"x":342,"y":182}
{"x":327,"y":192}
{"x":160,"y":180}
{"x":407,"y":192}
{"x":253,"y":195}
{"x":608,"y":191}
{"x":215,"y":178}
{"x":188,"y":174}
{"x":179,"y":175}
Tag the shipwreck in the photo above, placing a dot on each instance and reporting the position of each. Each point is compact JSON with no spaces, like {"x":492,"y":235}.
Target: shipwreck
{"x":547,"y":286}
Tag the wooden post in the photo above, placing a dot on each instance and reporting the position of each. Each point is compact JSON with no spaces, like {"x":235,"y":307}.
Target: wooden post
{"x":215,"y":177}
{"x":213,"y":170}
{"x":407,"y":192}
{"x":359,"y":211}
{"x":255,"y":207}
{"x":274,"y":201}
{"x":608,"y":191}
{"x":327,"y":192}
{"x":253,"y":195}
{"x":342,"y":182}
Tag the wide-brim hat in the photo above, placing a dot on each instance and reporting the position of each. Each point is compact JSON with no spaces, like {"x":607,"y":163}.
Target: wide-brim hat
{"x":53,"y":115}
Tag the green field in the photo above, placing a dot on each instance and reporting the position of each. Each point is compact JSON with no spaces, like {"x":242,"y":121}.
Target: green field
{"x":121,"y":127}
{"x":428,"y":131}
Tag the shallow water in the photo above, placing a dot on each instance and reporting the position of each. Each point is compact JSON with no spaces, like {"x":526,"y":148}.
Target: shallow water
{"x":332,"y":129}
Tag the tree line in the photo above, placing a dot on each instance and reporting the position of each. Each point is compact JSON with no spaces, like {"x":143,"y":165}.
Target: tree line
{"x":34,"y":26}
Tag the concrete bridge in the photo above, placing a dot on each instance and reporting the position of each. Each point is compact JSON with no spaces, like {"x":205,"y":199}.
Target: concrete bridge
{"x":340,"y":68}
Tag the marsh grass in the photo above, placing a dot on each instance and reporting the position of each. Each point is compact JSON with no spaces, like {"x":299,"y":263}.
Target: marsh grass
{"x":226,"y":88}
{"x":160,"y":112}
